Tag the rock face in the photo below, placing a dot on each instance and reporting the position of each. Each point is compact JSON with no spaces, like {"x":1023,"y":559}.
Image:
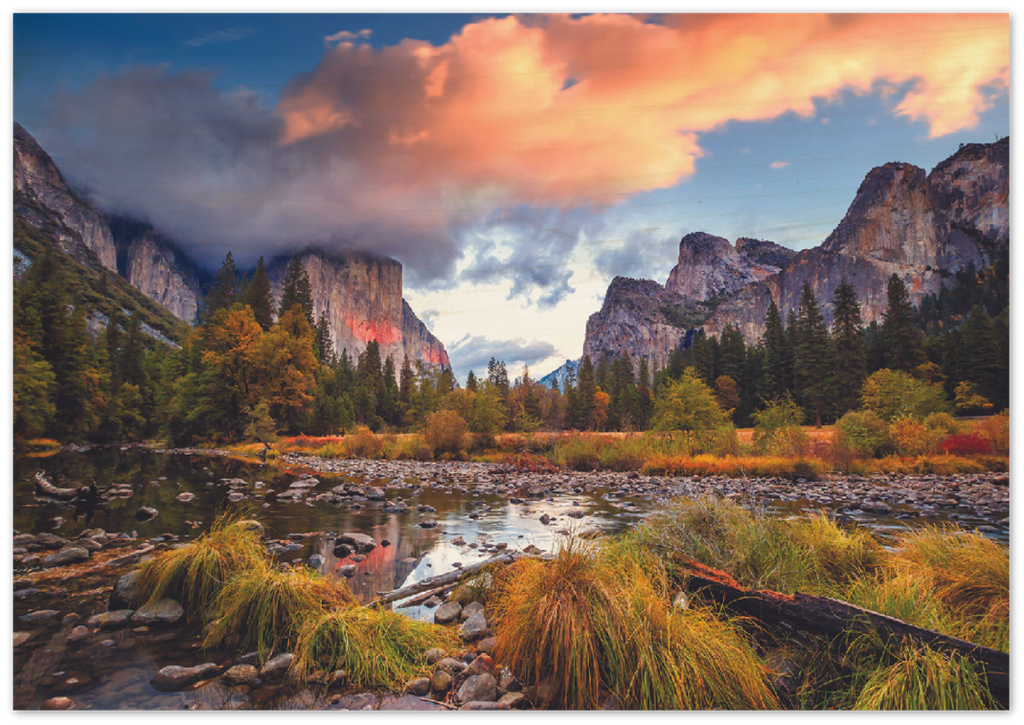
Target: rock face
{"x":45,"y":200}
{"x":643,"y":318}
{"x":361,"y":294}
{"x":901,"y":221}
{"x":153,"y":265}
{"x":919,"y":226}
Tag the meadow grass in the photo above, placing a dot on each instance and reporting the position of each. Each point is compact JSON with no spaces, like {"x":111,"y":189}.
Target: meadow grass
{"x":263,"y":608}
{"x":943,"y":578}
{"x":921,"y":678}
{"x":763,"y":552}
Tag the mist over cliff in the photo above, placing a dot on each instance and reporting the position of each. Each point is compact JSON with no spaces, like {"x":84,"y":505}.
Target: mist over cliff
{"x":360,"y":293}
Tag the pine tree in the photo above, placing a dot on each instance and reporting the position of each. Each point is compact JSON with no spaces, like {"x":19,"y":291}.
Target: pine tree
{"x":471,"y":382}
{"x":903,"y":341}
{"x":811,"y":356}
{"x":848,"y":367}
{"x":322,"y":340}
{"x":586,"y":390}
{"x":224,"y":292}
{"x":296,"y":290}
{"x":773,"y":342}
{"x":259,"y":297}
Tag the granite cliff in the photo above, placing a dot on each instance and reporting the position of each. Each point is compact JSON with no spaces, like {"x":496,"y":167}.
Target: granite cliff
{"x":922,"y":227}
{"x":360,"y":293}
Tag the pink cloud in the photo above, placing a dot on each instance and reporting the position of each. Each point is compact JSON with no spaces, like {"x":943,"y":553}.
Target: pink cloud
{"x":555,"y":109}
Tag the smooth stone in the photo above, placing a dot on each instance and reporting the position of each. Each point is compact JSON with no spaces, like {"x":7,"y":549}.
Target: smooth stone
{"x":432,"y":602}
{"x":21,"y":638}
{"x":58,"y":703}
{"x":39,"y":615}
{"x":484,"y":705}
{"x":361,"y":542}
{"x":107,"y":621}
{"x":513,"y":700}
{"x":78,"y":633}
{"x":482,"y":664}
{"x":486,"y":645}
{"x":470,"y":609}
{"x":66,"y":556}
{"x":239,"y":675}
{"x":174,"y":677}
{"x":408,"y":702}
{"x":447,"y":613}
{"x":433,"y":655}
{"x":349,"y":570}
{"x":124,"y":595}
{"x":451,"y":666}
{"x":479,"y":688}
{"x":358,"y":701}
{"x":418,"y":686}
{"x":146,"y":513}
{"x":441,"y":681}
{"x":277,"y":667}
{"x":164,"y":611}
{"x":474,"y":628}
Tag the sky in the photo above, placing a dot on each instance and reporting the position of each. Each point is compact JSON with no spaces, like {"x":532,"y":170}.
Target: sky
{"x":514,"y":164}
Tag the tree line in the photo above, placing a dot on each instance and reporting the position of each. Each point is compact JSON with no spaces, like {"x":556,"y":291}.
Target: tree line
{"x":253,"y":369}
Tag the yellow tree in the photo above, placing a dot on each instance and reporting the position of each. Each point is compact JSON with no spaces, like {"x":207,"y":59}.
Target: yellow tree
{"x":226,"y":378}
{"x":284,"y":366}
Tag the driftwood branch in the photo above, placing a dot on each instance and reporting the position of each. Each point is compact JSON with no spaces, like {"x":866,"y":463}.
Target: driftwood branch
{"x":831,"y":617}
{"x":420,"y":598}
{"x":46,"y":488}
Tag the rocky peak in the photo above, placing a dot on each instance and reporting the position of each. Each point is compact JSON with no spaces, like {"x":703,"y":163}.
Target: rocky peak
{"x":45,"y":200}
{"x":901,"y":221}
{"x":710,"y":268}
{"x":765,"y":253}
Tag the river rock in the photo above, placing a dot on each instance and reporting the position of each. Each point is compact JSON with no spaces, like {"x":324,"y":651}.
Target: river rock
{"x":483,"y":705}
{"x":361,"y":542}
{"x":21,"y":638}
{"x":451,"y":666}
{"x":440,"y":681}
{"x":46,"y":540}
{"x":38,"y":616}
{"x":481,"y":665}
{"x":174,"y":677}
{"x":348,"y":571}
{"x":419,"y":686}
{"x":107,"y":621}
{"x":474,"y":628}
{"x":513,"y":700}
{"x":66,"y":556}
{"x":146,"y":513}
{"x":447,"y":613}
{"x":185,"y":497}
{"x":78,"y":633}
{"x":486,"y":645}
{"x":277,"y":667}
{"x":375,"y":494}
{"x":408,"y":702}
{"x":470,"y":609}
{"x":58,"y":703}
{"x":239,"y":675}
{"x":479,"y":688}
{"x":433,"y":655}
{"x":875,"y":507}
{"x":164,"y":611}
{"x":428,"y":523}
{"x":124,"y":595}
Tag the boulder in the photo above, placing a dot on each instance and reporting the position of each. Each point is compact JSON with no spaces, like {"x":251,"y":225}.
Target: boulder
{"x":419,"y":686}
{"x":164,"y":611}
{"x":474,"y":628}
{"x":277,"y":667}
{"x":470,"y":609}
{"x":360,"y":542}
{"x":447,"y":613}
{"x":478,"y":688}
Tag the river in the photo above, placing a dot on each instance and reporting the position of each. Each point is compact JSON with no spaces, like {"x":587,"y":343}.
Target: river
{"x":479,"y":509}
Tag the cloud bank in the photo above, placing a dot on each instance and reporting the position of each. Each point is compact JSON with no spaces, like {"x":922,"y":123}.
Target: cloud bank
{"x":407,"y":150}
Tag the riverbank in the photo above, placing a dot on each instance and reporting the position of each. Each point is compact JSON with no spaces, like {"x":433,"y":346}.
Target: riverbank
{"x":973,"y":500}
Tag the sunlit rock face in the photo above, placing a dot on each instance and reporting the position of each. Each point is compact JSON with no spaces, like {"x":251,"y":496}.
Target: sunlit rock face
{"x":710,"y":268}
{"x":920,"y":227}
{"x":45,"y":200}
{"x":361,"y":295}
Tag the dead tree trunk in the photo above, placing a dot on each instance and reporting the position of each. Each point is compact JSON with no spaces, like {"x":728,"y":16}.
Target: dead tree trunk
{"x":832,"y":617}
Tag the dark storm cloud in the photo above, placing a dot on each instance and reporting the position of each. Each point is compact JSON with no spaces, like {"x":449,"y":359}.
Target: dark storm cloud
{"x":208,"y":168}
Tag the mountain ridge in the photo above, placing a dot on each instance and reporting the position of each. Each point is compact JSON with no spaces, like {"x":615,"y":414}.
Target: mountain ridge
{"x":924,"y":227}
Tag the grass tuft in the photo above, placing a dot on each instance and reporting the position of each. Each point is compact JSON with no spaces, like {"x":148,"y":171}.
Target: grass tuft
{"x":263,"y":607}
{"x":377,"y":648}
{"x":194,"y":574}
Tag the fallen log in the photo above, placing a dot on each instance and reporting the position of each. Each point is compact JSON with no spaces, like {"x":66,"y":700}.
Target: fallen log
{"x":441,"y":580}
{"x":832,"y":617}
{"x":420,"y":598}
{"x":46,"y":488}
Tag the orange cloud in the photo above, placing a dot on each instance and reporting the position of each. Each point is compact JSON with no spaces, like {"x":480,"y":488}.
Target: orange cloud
{"x":556,"y":109}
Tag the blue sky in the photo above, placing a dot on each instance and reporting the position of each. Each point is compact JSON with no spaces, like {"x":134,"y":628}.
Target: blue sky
{"x":513,"y":165}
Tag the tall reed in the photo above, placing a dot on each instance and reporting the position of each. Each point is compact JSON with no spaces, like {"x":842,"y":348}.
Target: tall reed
{"x":598,"y":617}
{"x":924,"y":679}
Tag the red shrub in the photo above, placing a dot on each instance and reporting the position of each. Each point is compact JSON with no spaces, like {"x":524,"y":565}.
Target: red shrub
{"x":966,"y":444}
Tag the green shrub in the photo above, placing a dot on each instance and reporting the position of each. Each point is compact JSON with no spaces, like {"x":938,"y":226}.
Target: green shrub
{"x":777,"y":429}
{"x":865,"y":433}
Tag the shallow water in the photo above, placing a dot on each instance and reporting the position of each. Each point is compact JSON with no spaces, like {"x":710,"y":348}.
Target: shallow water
{"x":113,"y":670}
